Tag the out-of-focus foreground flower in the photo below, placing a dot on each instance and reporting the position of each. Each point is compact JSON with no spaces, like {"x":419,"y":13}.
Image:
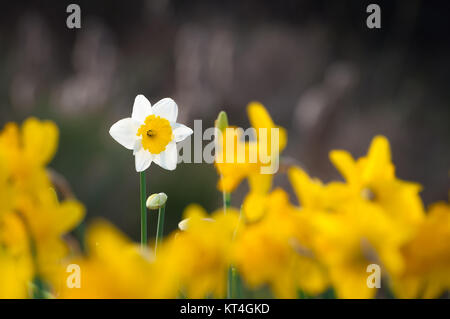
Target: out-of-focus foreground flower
{"x":32,"y":218}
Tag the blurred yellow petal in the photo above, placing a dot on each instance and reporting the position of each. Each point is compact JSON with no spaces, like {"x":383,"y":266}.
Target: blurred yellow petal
{"x":104,"y":239}
{"x":13,"y":233}
{"x":378,"y":160}
{"x":345,"y":164}
{"x":16,"y":272}
{"x":351,"y":283}
{"x":260,"y":183}
{"x":427,"y":255}
{"x":309,"y":191}
{"x":40,"y":140}
{"x":258,"y":116}
{"x":228,"y":183}
{"x":254,"y":207}
{"x":313,"y":277}
{"x":69,"y":215}
{"x":194,"y":211}
{"x":10,"y":136}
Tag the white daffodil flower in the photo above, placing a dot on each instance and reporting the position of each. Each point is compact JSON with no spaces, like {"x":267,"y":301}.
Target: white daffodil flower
{"x":151,"y":133}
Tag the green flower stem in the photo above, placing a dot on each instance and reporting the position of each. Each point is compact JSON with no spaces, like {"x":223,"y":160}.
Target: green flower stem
{"x":230,"y":282}
{"x":236,"y":284}
{"x":231,"y":271}
{"x":143,"y":211}
{"x":226,"y":201}
{"x":160,"y":229}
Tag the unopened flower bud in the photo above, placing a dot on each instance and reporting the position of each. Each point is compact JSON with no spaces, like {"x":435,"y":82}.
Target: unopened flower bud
{"x":222,"y":121}
{"x":156,"y":201}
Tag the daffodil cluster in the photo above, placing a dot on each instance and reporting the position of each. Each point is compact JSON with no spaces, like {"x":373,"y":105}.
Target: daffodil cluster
{"x":310,"y":239}
{"x":327,"y":236}
{"x":33,"y":219}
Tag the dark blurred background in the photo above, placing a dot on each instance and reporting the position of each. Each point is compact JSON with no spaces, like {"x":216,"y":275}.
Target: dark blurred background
{"x":331,"y":81}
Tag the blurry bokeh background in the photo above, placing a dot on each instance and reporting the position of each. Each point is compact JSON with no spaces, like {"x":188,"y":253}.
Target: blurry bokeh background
{"x":322,"y":74}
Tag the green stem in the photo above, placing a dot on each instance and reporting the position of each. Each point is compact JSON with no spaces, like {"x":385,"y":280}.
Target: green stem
{"x":231,"y":270}
{"x":143,"y":211}
{"x":226,"y":201}
{"x":230,"y":283}
{"x":39,"y":288}
{"x":160,"y":229}
{"x":236,"y":284}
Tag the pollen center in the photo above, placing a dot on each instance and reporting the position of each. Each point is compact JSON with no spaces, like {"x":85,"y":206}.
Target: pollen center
{"x":156,"y":133}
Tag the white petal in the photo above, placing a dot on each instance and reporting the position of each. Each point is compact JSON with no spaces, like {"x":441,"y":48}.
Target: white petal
{"x":168,"y":158}
{"x":183,"y":225}
{"x":137,"y":145}
{"x":166,"y":108}
{"x":124,"y":132}
{"x":141,"y":108}
{"x":143,"y":159}
{"x":180,"y":131}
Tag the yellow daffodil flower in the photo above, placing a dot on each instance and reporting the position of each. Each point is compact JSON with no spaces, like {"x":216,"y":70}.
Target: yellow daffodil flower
{"x":16,"y":263}
{"x":347,"y":236}
{"x":271,"y":252}
{"x":233,"y":171}
{"x":372,"y":179}
{"x":260,"y":119}
{"x":26,"y":152}
{"x":197,"y":259}
{"x":311,"y":193}
{"x":47,"y":221}
{"x":114,"y":267}
{"x":255,"y":202}
{"x":350,"y":240}
{"x":427,"y":257}
{"x":33,"y":221}
{"x":242,"y":165}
